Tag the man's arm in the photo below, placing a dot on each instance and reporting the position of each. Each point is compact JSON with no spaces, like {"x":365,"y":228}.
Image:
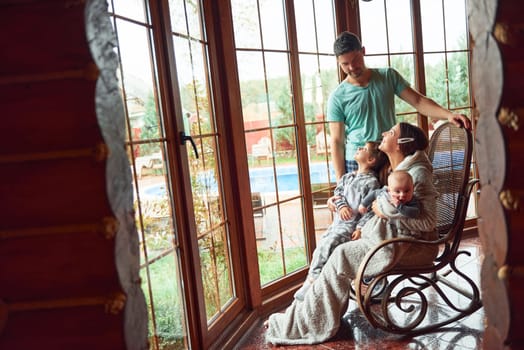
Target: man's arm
{"x":430,"y":108}
{"x":338,"y":140}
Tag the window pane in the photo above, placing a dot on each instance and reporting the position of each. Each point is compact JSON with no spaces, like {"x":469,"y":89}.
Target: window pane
{"x":379,"y":61}
{"x":178,"y":17}
{"x":458,"y":75}
{"x":294,"y":240}
{"x":137,"y":79}
{"x":288,"y":178}
{"x":282,"y":250}
{"x":456,"y":29}
{"x":311,"y":86}
{"x":279,"y":90}
{"x":215,"y":262}
{"x":405,"y":65}
{"x":200,"y":90}
{"x":133,"y":9}
{"x":245,"y":24}
{"x":261,"y":171}
{"x":432,"y":25}
{"x":328,"y":78}
{"x":252,"y":86}
{"x":193,"y":19}
{"x":411,"y":118}
{"x":325,"y":25}
{"x":436,"y":78}
{"x":323,"y":216}
{"x":400,"y":32}
{"x":305,"y":19}
{"x":165,"y":279}
{"x":321,"y":174}
{"x":204,"y":183}
{"x":269,"y":249}
{"x":273,"y":24}
{"x":373,"y":26}
{"x":186,"y":19}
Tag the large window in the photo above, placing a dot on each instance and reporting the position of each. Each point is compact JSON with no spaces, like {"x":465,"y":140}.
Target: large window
{"x":284,"y":82}
{"x":170,"y":184}
{"x":146,"y":145}
{"x":227,"y":227}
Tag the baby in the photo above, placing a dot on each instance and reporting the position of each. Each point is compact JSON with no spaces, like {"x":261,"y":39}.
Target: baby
{"x":400,"y":194}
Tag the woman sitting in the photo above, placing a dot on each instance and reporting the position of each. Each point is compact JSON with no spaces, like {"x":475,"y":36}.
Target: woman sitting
{"x":317,"y":318}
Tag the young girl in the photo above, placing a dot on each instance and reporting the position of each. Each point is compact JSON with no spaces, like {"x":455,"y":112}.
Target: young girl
{"x":350,"y":190}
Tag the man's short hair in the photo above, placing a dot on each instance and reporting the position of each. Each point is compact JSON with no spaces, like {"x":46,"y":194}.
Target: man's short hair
{"x":346,"y":42}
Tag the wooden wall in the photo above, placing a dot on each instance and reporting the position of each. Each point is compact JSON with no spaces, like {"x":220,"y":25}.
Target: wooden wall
{"x":59,"y":285}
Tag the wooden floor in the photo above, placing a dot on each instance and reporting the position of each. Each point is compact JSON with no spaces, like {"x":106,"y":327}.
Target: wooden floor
{"x":356,"y":333}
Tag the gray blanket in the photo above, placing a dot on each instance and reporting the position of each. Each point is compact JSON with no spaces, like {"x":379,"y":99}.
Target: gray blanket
{"x":317,"y":318}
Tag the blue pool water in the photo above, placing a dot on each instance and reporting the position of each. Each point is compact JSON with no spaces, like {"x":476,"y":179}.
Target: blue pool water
{"x":261,"y":180}
{"x":158,"y":190}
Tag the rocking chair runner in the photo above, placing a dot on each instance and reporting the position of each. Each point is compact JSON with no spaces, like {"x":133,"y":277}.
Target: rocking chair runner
{"x":419,"y":292}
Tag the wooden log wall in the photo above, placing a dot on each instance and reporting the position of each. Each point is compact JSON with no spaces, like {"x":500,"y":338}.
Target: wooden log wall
{"x":63,"y":227}
{"x":497,"y":28}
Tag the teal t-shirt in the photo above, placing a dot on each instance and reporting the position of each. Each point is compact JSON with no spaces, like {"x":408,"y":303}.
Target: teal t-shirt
{"x":366,"y":111}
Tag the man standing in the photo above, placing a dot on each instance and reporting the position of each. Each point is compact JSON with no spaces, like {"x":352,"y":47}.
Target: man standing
{"x":363,"y":105}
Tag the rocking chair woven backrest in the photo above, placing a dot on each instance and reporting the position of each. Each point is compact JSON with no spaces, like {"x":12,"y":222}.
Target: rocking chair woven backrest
{"x":450,"y":150}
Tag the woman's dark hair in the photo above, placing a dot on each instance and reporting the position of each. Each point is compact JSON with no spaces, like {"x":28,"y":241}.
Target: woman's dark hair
{"x":381,"y":166}
{"x":411,"y":139}
{"x":346,"y":42}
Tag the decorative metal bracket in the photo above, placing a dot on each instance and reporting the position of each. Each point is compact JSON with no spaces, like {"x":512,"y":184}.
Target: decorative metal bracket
{"x":509,"y":118}
{"x":509,"y":200}
{"x":506,"y":271}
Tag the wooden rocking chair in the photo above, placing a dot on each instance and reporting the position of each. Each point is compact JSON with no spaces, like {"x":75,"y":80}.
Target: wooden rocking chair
{"x":419,"y":292}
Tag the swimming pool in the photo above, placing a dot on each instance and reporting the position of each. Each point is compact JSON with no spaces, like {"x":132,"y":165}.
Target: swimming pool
{"x":260,"y":179}
{"x":263,"y":179}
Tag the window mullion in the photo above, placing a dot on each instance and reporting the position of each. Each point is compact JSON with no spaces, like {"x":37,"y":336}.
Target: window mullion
{"x":298,"y":107}
{"x":420,"y":73}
